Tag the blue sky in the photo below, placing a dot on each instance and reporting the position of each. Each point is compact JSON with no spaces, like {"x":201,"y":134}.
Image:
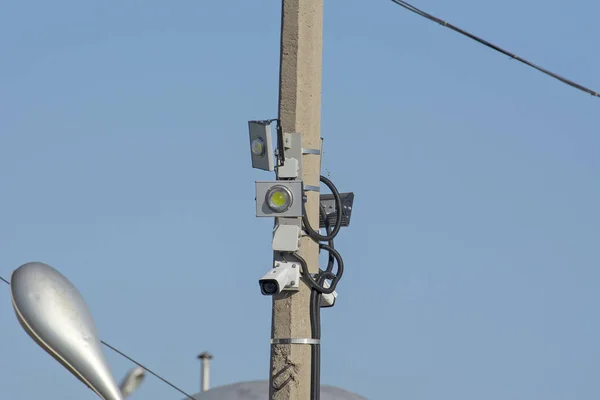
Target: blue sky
{"x":472,"y":257}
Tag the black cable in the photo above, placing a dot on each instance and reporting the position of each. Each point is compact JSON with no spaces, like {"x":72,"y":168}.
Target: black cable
{"x":315,"y":319}
{"x":315,"y":310}
{"x":280,"y":145}
{"x":133,"y":361}
{"x":317,"y":351}
{"x":484,"y":42}
{"x":331,"y":259}
{"x":315,"y":316}
{"x":327,"y":275}
{"x":338,"y":218}
{"x":318,"y":346}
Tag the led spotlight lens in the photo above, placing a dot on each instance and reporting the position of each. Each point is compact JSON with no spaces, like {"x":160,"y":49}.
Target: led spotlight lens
{"x":279,"y":198}
{"x":258,"y":146}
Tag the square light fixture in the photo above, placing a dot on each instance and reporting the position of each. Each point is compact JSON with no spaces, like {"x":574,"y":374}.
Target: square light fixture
{"x":279,"y":198}
{"x":261,"y":145}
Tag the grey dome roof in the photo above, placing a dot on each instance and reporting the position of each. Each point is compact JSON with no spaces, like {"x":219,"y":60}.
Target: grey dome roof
{"x":259,"y":390}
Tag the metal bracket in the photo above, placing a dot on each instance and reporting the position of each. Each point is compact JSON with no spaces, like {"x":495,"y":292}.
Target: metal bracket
{"x":311,"y":151}
{"x":312,"y":188}
{"x":328,"y":202}
{"x":295,"y":341}
{"x":293,"y":151}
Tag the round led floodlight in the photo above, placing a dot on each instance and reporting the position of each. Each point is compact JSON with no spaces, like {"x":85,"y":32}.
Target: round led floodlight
{"x":258,"y":146}
{"x":279,"y":198}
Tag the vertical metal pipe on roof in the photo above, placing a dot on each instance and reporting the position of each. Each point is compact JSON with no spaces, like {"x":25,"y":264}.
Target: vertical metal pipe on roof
{"x":205,"y":371}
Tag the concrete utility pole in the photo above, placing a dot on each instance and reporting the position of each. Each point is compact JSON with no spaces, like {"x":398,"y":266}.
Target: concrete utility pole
{"x":299,"y":111}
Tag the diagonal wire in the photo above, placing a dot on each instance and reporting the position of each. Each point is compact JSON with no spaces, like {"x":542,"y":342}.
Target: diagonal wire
{"x":430,"y":17}
{"x":146,"y":368}
{"x":132,"y":360}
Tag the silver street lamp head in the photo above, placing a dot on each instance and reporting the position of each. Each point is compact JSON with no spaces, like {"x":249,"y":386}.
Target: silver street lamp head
{"x":51,"y":310}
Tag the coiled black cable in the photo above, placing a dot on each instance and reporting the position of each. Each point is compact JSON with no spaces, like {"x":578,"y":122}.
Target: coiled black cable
{"x":338,"y":218}
{"x":325,"y":274}
{"x":331,"y":259}
{"x":317,"y":283}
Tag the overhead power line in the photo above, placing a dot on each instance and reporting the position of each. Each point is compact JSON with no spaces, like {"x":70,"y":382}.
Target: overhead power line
{"x":146,"y":368}
{"x":430,"y":17}
{"x":132,"y":360}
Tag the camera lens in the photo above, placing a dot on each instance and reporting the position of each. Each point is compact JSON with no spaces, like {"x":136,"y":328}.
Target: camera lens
{"x":269,"y":287}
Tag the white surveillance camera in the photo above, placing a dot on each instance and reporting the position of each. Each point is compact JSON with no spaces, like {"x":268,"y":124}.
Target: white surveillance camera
{"x":285,"y":276}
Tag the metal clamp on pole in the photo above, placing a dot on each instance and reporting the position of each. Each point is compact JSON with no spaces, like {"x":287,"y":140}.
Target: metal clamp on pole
{"x":311,"y":188}
{"x":311,"y":151}
{"x":295,"y":341}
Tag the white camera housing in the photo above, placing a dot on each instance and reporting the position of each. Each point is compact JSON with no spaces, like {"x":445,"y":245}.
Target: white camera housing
{"x":328,"y":300}
{"x":285,"y":276}
{"x":286,"y":238}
